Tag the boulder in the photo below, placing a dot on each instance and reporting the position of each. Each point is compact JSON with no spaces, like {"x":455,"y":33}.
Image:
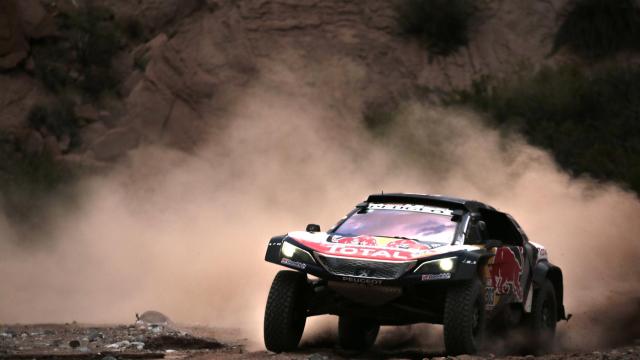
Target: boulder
{"x":35,"y":20}
{"x":92,"y":133}
{"x":13,"y":45}
{"x":153,"y":14}
{"x":185,"y":128}
{"x":153,"y":317}
{"x":87,"y":112}
{"x":148,"y":108}
{"x":18,"y":95}
{"x":34,"y":143}
{"x":115,"y":144}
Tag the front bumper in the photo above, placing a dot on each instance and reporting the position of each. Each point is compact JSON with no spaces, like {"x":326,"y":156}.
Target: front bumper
{"x":372,"y":272}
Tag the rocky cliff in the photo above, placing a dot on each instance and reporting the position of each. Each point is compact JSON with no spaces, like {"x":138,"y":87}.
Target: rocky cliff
{"x":197,"y":55}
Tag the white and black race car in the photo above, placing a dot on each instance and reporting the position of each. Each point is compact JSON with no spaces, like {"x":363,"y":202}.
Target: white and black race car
{"x":400,"y":259}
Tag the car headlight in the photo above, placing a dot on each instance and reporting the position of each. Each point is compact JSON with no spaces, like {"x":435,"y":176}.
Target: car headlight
{"x":293,"y":252}
{"x":445,"y":265}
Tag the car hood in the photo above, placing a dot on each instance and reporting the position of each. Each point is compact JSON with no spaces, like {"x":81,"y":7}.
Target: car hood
{"x":373,"y":247}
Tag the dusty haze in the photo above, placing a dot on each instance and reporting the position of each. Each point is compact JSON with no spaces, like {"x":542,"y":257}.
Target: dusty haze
{"x":186,"y":234}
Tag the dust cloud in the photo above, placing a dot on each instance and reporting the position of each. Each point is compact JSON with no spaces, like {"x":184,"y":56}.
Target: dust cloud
{"x":186,"y":233}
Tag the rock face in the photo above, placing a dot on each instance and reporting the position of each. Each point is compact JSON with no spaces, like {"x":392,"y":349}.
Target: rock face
{"x":13,"y":44}
{"x":203,"y":52}
{"x":20,"y":21}
{"x":115,"y":144}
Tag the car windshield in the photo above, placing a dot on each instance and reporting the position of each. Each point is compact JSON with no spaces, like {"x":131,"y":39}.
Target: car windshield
{"x":421,"y":226}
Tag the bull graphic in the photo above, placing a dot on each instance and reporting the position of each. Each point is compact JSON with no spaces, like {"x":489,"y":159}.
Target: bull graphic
{"x":363,"y":240}
{"x":505,"y":272}
{"x":407,"y":245}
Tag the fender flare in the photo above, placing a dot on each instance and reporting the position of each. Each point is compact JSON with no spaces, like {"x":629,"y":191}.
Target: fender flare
{"x":543,"y":271}
{"x":273,"y":249}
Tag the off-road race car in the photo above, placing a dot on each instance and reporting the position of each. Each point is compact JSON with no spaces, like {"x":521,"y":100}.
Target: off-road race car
{"x":399,"y":259}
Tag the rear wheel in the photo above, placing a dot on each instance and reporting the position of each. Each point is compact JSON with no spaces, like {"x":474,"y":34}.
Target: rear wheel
{"x":542,"y":320}
{"x":285,"y":314}
{"x":357,"y":333}
{"x":464,"y":318}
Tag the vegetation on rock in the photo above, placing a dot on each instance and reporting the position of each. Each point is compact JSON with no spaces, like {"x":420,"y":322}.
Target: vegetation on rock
{"x":441,"y":25}
{"x":82,"y":55}
{"x":598,"y":28}
{"x":590,"y":121}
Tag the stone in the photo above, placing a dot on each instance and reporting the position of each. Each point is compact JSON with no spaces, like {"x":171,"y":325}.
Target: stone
{"x":139,"y":345}
{"x":13,"y":59}
{"x":51,"y":145}
{"x":13,"y":44}
{"x":20,"y":92}
{"x":317,"y":356}
{"x":74,"y":344}
{"x":92,"y":132}
{"x":95,"y":336}
{"x":149,"y":107}
{"x":119,"y":345}
{"x":36,"y":22}
{"x":87,"y":112}
{"x":115,"y":143}
{"x":184,"y":128}
{"x":34,"y":144}
{"x":64,"y":143}
{"x":153,"y":317}
{"x":130,"y":82}
{"x":29,"y":65}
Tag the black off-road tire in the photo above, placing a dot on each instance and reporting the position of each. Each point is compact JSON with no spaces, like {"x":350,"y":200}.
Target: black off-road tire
{"x":464,"y":318}
{"x":356,"y":333}
{"x":541,"y":322}
{"x":285,"y":313}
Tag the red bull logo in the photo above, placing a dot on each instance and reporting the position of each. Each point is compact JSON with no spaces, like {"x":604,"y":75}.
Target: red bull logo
{"x":407,"y":245}
{"x":505,"y":272}
{"x":363,"y":240}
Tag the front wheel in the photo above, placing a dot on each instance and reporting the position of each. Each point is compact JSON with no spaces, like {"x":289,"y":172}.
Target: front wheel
{"x":356,"y":333}
{"x":286,"y":311}
{"x":464,"y":318}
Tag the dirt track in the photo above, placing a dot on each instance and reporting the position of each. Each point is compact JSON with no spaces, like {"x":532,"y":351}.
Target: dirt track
{"x":144,"y":341}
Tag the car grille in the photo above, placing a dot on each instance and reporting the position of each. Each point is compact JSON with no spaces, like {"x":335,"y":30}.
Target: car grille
{"x":365,"y":268}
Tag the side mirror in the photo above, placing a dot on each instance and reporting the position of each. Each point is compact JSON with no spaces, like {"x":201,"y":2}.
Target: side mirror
{"x":313,"y":228}
{"x":493,"y":243}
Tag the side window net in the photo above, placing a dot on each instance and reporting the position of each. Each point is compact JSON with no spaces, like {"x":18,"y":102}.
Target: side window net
{"x":500,"y":227}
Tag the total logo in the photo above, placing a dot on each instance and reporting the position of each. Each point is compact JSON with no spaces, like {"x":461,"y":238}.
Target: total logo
{"x":368,"y":252}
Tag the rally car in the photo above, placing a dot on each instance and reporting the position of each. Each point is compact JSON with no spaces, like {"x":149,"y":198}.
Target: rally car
{"x":399,"y":259}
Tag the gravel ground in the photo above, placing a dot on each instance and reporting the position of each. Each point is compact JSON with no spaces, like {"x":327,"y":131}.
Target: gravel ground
{"x":148,"y":341}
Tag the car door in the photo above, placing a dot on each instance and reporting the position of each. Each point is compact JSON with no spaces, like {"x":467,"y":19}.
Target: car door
{"x":508,"y":270}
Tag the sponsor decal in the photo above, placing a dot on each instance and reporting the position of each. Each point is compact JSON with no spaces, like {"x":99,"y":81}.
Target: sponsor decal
{"x":411,"y":207}
{"x":369,"y":252}
{"x":442,"y":276}
{"x":506,"y":271}
{"x":363,"y":240}
{"x":363,"y":273}
{"x":292,"y":263}
{"x":407,"y":244}
{"x":361,"y":280}
{"x":373,"y":247}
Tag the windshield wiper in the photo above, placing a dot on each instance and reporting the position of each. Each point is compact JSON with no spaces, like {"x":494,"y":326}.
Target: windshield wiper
{"x":402,"y":237}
